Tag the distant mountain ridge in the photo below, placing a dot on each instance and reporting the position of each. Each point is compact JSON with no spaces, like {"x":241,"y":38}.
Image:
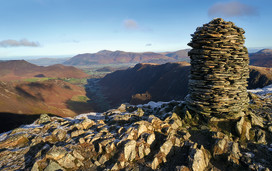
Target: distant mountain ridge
{"x":47,"y":61}
{"x":261,"y":58}
{"x":112,"y":57}
{"x":21,"y":69}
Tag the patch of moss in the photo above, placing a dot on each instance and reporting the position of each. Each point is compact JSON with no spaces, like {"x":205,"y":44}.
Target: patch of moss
{"x":80,"y":99}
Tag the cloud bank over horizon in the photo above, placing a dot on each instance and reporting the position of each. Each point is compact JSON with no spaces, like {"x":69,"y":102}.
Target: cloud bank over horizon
{"x":232,"y":9}
{"x":18,"y":43}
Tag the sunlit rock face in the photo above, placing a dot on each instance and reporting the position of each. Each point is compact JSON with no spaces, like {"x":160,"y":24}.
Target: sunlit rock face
{"x":219,"y":70}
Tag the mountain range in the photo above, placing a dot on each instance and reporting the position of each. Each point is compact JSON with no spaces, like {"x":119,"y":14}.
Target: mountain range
{"x":261,"y":58}
{"x":114,"y":57}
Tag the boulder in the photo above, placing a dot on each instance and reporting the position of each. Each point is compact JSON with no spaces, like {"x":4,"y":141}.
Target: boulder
{"x":67,"y":161}
{"x":44,"y":118}
{"x":198,"y":158}
{"x":243,"y":127}
{"x":130,"y":150}
{"x":56,"y":153}
{"x":166,"y":147}
{"x":53,"y":166}
{"x":15,"y":140}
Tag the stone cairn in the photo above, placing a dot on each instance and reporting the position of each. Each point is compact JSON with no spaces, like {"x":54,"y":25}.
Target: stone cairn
{"x":219,"y":70}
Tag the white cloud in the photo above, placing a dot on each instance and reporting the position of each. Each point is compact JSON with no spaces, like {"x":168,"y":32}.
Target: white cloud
{"x":130,"y":24}
{"x":20,"y":43}
{"x":232,"y":9}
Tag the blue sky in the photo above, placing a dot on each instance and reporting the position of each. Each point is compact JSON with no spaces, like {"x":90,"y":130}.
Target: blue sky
{"x":37,"y":28}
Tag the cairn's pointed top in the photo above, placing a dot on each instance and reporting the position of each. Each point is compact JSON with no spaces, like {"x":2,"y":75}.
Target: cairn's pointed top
{"x":217,"y":20}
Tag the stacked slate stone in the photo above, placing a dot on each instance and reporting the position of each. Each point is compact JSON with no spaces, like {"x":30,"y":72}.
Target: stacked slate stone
{"x":219,"y":70}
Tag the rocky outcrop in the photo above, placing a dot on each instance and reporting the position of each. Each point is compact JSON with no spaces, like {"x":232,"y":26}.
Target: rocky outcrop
{"x":117,"y":57}
{"x":219,"y":70}
{"x":151,"y":136}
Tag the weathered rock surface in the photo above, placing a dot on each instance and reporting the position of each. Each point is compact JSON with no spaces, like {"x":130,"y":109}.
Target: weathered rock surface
{"x":161,"y":136}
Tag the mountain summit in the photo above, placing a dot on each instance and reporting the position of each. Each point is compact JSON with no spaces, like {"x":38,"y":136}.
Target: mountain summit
{"x":261,"y":58}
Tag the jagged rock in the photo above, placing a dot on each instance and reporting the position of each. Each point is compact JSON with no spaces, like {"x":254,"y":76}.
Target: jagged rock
{"x":110,"y":147}
{"x":122,"y":108}
{"x":256,"y":120}
{"x":260,"y":136}
{"x":146,"y":142}
{"x":151,"y":139}
{"x":77,"y":133}
{"x":35,"y":167}
{"x":166,"y":147}
{"x":142,"y":127}
{"x":53,"y":166}
{"x":87,"y":123}
{"x":199,"y":158}
{"x":243,"y":127}
{"x":270,"y":129}
{"x":103,"y":159}
{"x":220,"y":147}
{"x":77,"y":155}
{"x":132,"y":133}
{"x":239,"y":126}
{"x":235,"y":154}
{"x":60,"y":134}
{"x":185,"y":135}
{"x":44,"y":118}
{"x":81,"y":140}
{"x":182,"y":168}
{"x":147,"y":151}
{"x":115,"y":167}
{"x":140,"y":112}
{"x":130,"y":150}
{"x":141,"y":149}
{"x":67,"y":161}
{"x":15,"y":140}
{"x":155,"y":163}
{"x":56,"y":153}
